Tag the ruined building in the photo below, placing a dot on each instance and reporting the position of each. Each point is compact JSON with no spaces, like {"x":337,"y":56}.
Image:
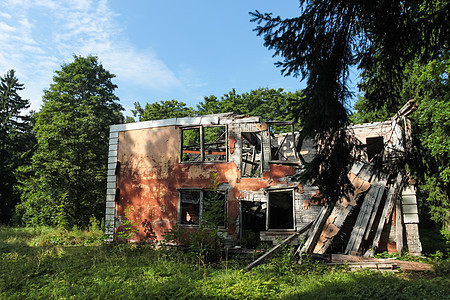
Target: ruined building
{"x":177,"y":171}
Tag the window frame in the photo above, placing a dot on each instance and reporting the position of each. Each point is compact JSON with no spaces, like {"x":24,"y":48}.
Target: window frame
{"x":292,"y":132}
{"x":292,"y":191}
{"x":201,"y":206}
{"x":261,"y":149}
{"x":202,"y":143}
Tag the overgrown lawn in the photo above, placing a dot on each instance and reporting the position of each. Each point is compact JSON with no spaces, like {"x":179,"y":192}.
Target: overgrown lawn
{"x":55,"y":263}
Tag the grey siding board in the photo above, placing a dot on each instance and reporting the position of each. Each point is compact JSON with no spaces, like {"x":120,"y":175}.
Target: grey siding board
{"x":410,"y":218}
{"x":113,"y":135}
{"x":110,"y":204}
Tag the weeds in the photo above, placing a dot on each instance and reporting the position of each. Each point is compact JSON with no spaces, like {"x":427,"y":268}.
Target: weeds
{"x":44,"y":263}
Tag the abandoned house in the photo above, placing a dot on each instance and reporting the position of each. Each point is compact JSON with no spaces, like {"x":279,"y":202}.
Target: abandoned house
{"x":238,"y":173}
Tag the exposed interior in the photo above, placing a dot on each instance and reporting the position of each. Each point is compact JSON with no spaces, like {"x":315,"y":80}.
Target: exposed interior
{"x":251,"y":154}
{"x":190,"y":207}
{"x":375,"y":146}
{"x":281,"y":210}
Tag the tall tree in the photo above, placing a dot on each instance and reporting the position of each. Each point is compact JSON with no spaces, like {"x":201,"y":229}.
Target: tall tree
{"x":430,"y":163}
{"x":330,"y":37}
{"x":14,"y":141}
{"x":161,"y":110}
{"x":72,"y":129}
{"x":270,"y":104}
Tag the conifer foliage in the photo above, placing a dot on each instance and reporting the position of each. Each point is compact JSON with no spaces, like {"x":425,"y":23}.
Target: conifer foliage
{"x":14,"y":130}
{"x":327,"y":39}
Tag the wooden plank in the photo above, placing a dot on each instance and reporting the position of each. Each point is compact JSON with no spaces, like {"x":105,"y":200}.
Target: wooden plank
{"x":391,"y":197}
{"x":315,"y":230}
{"x":376,"y":191}
{"x":275,"y":249}
{"x":336,"y":218}
{"x":375,"y":210}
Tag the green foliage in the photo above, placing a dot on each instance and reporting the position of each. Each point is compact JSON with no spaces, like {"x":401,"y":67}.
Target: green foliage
{"x":250,"y":239}
{"x":16,"y":142}
{"x":365,"y":114}
{"x":203,"y":242}
{"x":104,"y":271}
{"x":129,"y":227}
{"x":329,"y":38}
{"x":72,"y":129}
{"x":269,"y":104}
{"x":161,"y":110}
{"x":431,"y":128}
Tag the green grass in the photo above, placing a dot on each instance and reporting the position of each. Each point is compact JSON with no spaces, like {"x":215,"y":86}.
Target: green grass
{"x":58,"y":264}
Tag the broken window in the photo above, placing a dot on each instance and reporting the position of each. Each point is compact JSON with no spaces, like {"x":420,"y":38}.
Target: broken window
{"x":191,"y":144}
{"x":214,"y":208}
{"x":204,"y":144}
{"x":375,"y":146}
{"x":251,"y":154}
{"x":190,"y":207}
{"x":206,"y":207}
{"x":282,"y":142}
{"x":281,"y":210}
{"x":215,"y":143}
{"x":253,"y":215}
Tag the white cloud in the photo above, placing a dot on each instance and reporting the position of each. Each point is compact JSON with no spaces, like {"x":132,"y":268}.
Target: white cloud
{"x":36,"y":37}
{"x":5,"y":15}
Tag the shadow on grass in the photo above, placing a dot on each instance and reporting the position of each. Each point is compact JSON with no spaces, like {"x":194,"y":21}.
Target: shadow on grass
{"x":141,"y":272}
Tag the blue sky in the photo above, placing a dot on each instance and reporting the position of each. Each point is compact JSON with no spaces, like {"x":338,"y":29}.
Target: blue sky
{"x":158,"y":50}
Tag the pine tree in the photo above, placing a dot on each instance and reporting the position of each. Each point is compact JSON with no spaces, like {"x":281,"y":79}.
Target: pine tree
{"x":14,"y":126}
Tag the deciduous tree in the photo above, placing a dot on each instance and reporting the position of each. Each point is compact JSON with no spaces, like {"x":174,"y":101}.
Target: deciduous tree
{"x":72,"y":129}
{"x":161,"y":110}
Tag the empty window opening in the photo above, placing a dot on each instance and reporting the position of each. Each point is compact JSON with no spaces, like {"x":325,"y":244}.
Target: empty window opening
{"x":214,"y":208}
{"x":205,"y":207}
{"x":204,"y":144}
{"x":281,"y":210}
{"x":251,"y":154}
{"x":190,"y":207}
{"x":375,"y":146}
{"x":191,"y":144}
{"x":215,"y":143}
{"x":282,"y":142}
{"x":253,"y":215}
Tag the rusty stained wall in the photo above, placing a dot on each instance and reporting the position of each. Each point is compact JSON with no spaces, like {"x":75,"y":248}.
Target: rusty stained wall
{"x":151,"y":173}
